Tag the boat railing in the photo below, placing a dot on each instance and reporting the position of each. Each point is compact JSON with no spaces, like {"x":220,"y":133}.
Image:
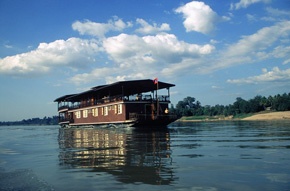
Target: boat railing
{"x":93,"y":102}
{"x":161,"y":98}
{"x":63,"y":107}
{"x":112,"y":99}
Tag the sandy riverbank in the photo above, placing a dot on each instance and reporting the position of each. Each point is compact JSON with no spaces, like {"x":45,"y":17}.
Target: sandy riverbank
{"x":281,"y":115}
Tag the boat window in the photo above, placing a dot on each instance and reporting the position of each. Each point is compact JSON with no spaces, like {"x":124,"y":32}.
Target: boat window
{"x":119,"y":108}
{"x":95,"y":112}
{"x":106,"y":111}
{"x":85,"y":113}
{"x":78,"y":114}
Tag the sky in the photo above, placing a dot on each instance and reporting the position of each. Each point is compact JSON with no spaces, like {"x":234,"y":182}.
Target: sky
{"x":212,"y":50}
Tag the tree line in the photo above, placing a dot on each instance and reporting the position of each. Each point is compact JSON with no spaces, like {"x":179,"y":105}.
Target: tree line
{"x":33,"y":121}
{"x":189,"y":106}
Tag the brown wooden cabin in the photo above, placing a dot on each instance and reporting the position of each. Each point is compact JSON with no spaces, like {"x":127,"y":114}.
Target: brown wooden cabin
{"x":134,"y":103}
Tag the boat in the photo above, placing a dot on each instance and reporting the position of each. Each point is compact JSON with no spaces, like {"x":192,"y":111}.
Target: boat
{"x":124,"y":103}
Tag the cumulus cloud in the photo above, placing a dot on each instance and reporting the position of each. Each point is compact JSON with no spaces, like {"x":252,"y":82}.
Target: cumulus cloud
{"x":161,"y":47}
{"x":8,"y":46}
{"x":100,"y":29}
{"x":188,"y":65}
{"x":109,"y":74}
{"x":250,"y":49}
{"x":276,"y":15}
{"x":276,"y":75}
{"x":71,"y":53}
{"x":199,"y":17}
{"x":132,"y":55}
{"x":246,"y":3}
{"x":251,"y":17}
{"x":286,"y":62}
{"x":166,"y":56}
{"x":159,"y":54}
{"x":151,"y":29}
{"x":277,"y":12}
{"x":216,"y":87}
{"x":212,"y":41}
{"x":96,"y":74}
{"x":261,"y":40}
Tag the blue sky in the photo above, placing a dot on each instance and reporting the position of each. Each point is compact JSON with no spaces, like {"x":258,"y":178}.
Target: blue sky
{"x":212,"y":50}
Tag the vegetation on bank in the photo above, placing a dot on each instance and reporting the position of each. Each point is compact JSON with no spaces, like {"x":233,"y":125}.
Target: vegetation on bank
{"x":34,"y":121}
{"x":215,"y":118}
{"x":193,"y":110}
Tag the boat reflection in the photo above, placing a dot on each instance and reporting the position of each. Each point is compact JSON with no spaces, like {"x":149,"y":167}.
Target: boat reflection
{"x":131,"y":156}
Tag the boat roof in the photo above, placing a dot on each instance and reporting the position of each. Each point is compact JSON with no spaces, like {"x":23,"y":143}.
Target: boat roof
{"x":125,"y":88}
{"x":63,"y":98}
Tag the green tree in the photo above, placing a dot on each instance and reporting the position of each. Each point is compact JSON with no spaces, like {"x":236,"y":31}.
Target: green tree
{"x":241,"y":106}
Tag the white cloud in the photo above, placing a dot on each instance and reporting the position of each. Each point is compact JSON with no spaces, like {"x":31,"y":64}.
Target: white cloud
{"x":275,"y":15}
{"x":8,"y":46}
{"x":246,"y":3}
{"x":135,"y":57}
{"x":133,"y":76}
{"x":221,"y":61}
{"x":199,"y":17}
{"x":109,"y":74}
{"x":73,"y":53}
{"x":216,"y":87}
{"x":100,"y":29}
{"x":164,"y":55}
{"x":264,"y":70}
{"x":277,"y":12}
{"x":212,"y":41}
{"x":182,"y":68}
{"x":286,"y":62}
{"x":166,"y":47}
{"x":261,"y":40}
{"x":278,"y":52}
{"x":163,"y":47}
{"x":124,"y":46}
{"x":276,"y":75}
{"x":149,"y":29}
{"x":281,"y":51}
{"x":270,"y":19}
{"x":251,"y":17}
{"x":96,"y":74}
{"x":250,"y":49}
{"x":174,"y":93}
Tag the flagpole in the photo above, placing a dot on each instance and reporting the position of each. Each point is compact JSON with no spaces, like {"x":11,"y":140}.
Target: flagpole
{"x":157,"y":100}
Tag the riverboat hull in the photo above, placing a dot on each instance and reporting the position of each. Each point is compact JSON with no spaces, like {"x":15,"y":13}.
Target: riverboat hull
{"x":142,"y":123}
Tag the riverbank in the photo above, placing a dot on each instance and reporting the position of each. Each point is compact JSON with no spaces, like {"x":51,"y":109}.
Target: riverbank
{"x":281,"y":115}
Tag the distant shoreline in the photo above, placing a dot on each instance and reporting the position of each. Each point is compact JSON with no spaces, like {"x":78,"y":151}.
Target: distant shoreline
{"x":275,"y":115}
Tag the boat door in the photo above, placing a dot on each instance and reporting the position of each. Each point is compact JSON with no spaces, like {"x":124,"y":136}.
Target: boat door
{"x":149,"y":111}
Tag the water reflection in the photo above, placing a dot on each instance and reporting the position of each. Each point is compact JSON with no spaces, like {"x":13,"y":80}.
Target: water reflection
{"x":131,"y":156}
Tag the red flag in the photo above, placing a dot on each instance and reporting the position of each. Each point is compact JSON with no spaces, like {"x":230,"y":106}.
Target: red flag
{"x":155,"y":80}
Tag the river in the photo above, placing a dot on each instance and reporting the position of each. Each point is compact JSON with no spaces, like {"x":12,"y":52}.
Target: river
{"x":197,"y":156}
